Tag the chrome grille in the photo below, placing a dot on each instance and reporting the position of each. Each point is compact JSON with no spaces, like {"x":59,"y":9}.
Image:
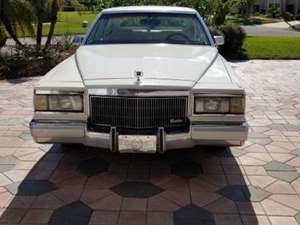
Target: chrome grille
{"x":138,"y":112}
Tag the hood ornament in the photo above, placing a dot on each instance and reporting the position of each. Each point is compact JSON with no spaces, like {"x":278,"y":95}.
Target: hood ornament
{"x":138,"y":74}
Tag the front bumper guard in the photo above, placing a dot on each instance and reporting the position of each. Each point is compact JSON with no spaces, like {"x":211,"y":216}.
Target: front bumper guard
{"x":200,"y":134}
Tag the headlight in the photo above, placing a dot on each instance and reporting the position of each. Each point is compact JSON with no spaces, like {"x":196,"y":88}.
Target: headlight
{"x":219,"y":104}
{"x":63,"y":103}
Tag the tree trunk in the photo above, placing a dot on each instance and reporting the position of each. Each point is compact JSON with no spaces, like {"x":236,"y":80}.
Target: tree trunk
{"x":39,"y":33}
{"x":10,"y":29}
{"x":54,"y":10}
{"x":12,"y":34}
{"x":50,"y":34}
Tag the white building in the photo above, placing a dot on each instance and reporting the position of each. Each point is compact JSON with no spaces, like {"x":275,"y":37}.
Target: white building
{"x":292,"y":6}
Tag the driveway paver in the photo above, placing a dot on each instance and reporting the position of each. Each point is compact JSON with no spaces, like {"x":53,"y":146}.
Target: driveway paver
{"x":255,"y":184}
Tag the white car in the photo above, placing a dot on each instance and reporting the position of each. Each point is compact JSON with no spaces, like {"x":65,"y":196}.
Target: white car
{"x":145,"y":79}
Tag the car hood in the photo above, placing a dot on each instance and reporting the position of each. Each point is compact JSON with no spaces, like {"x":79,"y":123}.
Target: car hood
{"x":160,"y":64}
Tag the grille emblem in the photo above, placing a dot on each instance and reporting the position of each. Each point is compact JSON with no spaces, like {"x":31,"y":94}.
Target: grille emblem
{"x":138,"y":74}
{"x":172,"y":121}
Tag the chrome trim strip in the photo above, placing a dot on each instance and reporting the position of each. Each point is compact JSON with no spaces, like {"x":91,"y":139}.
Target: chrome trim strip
{"x":221,"y":123}
{"x":206,"y":128}
{"x":136,"y":92}
{"x":53,"y":92}
{"x":200,"y":94}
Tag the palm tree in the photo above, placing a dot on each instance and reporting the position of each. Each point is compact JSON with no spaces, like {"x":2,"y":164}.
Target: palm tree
{"x":56,"y":4}
{"x":45,"y":11}
{"x":16,"y":14}
{"x":40,"y":9}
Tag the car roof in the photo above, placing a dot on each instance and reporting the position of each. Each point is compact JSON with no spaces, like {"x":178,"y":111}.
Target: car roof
{"x":150,"y":9}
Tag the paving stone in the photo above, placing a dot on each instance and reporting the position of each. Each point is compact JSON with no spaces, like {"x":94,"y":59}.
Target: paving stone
{"x":291,"y":127}
{"x":280,"y":127}
{"x":11,"y":216}
{"x":243,"y":193}
{"x":186,"y":169}
{"x":104,"y":218}
{"x":4,"y":180}
{"x":279,"y":220}
{"x":158,"y":203}
{"x":228,"y":152}
{"x":222,"y":219}
{"x":7,"y":167}
{"x":235,"y":192}
{"x":74,"y":213}
{"x":26,"y":136}
{"x":132,"y":218}
{"x":134,"y":204}
{"x":237,"y":152}
{"x":255,"y":220}
{"x":257,"y":135}
{"x":37,"y":216}
{"x":193,"y":215}
{"x":287,"y":176}
{"x":112,"y":202}
{"x":297,"y":217}
{"x":278,"y":166}
{"x":296,"y":152}
{"x":93,"y":166}
{"x":160,"y":218}
{"x":136,"y":189}
{"x":261,"y":141}
{"x":273,"y":208}
{"x":281,"y":171}
{"x":7,"y":163}
{"x":31,"y":187}
{"x":280,"y":187}
{"x":293,"y":201}
{"x":8,"y":160}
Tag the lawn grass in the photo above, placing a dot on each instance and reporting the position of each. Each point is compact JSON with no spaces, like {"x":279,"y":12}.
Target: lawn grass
{"x":68,"y":23}
{"x":254,"y":20}
{"x":71,"y":22}
{"x":272,"y":47}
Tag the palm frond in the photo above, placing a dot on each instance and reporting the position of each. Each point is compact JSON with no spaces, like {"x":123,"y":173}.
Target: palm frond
{"x":17,"y":14}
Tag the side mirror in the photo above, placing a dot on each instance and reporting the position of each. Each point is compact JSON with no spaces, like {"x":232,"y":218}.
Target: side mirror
{"x":78,"y":39}
{"x":219,"y":40}
{"x":85,"y":24}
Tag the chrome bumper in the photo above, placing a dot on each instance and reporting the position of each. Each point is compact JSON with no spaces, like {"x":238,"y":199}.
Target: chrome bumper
{"x":76,"y":132}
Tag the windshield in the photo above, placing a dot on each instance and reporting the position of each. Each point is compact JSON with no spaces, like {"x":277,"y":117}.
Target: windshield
{"x":148,"y":28}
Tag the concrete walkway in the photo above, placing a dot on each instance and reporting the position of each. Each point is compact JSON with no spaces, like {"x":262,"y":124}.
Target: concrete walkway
{"x":272,"y":29}
{"x":281,"y":25}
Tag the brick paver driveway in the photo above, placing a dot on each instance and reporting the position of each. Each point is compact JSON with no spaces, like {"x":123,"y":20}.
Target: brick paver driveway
{"x":253,"y":185}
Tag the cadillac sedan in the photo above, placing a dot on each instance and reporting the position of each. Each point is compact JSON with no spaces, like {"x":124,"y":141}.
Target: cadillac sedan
{"x":145,"y":79}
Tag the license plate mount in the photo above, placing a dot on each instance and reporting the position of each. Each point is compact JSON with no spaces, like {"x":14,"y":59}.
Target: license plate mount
{"x":137,"y":143}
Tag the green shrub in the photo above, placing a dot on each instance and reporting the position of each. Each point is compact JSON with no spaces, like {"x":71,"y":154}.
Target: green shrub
{"x":234,"y":36}
{"x":27,"y":62}
{"x":274,"y":11}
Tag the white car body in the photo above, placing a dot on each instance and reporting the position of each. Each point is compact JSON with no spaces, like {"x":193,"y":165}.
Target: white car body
{"x":166,"y":70}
